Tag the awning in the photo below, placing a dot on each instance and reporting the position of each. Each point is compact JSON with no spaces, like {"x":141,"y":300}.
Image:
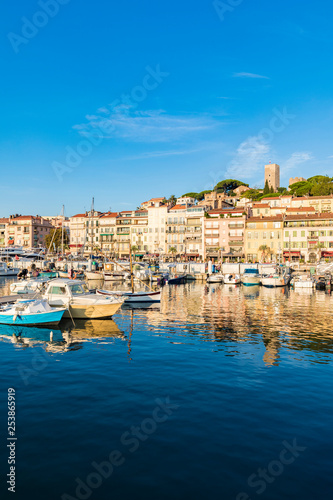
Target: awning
{"x":192,"y":255}
{"x":139,"y":254}
{"x":327,"y":253}
{"x":291,"y":252}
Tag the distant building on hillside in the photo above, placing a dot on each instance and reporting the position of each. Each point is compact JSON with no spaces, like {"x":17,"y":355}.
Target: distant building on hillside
{"x":296,"y":179}
{"x":272,"y":175}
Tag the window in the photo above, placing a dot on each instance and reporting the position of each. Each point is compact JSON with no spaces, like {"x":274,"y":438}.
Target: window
{"x":265,"y":225}
{"x":264,"y":235}
{"x":294,"y":234}
{"x":302,"y":234}
{"x":287,"y":234}
{"x":57,"y":290}
{"x":277,"y":225}
{"x":249,"y":244}
{"x":255,"y":235}
{"x":272,"y":235}
{"x":78,"y":289}
{"x":248,"y":235}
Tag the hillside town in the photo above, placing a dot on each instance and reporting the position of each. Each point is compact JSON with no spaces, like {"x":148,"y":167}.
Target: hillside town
{"x":278,"y":225}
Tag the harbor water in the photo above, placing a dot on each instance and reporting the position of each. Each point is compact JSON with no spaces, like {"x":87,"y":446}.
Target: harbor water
{"x":218,"y":392}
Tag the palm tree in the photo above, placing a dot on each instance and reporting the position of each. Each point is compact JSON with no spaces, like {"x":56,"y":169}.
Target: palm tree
{"x":265,"y":251}
{"x":319,"y":246}
{"x":172,"y":200}
{"x":173,"y":250}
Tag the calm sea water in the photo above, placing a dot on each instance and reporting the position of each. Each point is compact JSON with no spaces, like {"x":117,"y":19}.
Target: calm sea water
{"x":217,"y":393}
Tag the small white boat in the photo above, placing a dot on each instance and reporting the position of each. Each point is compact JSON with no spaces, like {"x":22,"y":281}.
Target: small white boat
{"x":30,"y":312}
{"x":82,"y":304}
{"x":94,"y":275}
{"x":108,"y":276}
{"x":7,"y":271}
{"x":251,"y":277}
{"x":133,"y":296}
{"x":215,"y":278}
{"x":28,"y":286}
{"x":273,"y":281}
{"x":232,"y":279}
{"x":302,"y":281}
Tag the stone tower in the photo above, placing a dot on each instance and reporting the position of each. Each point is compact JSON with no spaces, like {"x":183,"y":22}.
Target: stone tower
{"x":272,"y":175}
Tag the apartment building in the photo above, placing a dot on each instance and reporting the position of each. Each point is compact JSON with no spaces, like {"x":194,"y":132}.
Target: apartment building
{"x":308,"y":237}
{"x":107,"y":232}
{"x":27,"y":231}
{"x":3,"y":225}
{"x":84,"y":232}
{"x":175,"y":229}
{"x":193,"y":240}
{"x":224,"y":234}
{"x":264,"y":232}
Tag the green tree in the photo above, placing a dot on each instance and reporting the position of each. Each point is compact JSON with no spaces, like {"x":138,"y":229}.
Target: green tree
{"x":228,"y":185}
{"x":266,"y":188}
{"x":173,"y":250}
{"x":201,"y":195}
{"x":265,"y":251}
{"x":55,"y":236}
{"x":172,"y":200}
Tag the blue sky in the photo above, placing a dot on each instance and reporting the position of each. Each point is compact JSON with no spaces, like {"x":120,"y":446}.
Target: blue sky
{"x":159,"y":98}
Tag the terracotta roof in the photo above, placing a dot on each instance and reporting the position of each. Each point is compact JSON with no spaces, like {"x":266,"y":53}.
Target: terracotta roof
{"x":79,"y":215}
{"x":223,"y":211}
{"x":157,"y":199}
{"x":300,"y":209}
{"x":4,"y":220}
{"x":178,"y":207}
{"x":109,"y":214}
{"x":272,"y":198}
{"x":261,"y":205}
{"x":309,"y":216}
{"x":264,"y":219}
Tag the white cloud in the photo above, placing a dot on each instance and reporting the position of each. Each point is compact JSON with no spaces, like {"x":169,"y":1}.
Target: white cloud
{"x":296,"y":159}
{"x":250,"y":157}
{"x":249,"y":75}
{"x":143,"y":126}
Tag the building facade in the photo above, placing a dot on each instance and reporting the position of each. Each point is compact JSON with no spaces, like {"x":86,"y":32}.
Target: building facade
{"x":272,"y":175}
{"x":27,"y":231}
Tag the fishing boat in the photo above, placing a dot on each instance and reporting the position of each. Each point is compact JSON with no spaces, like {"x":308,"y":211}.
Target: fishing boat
{"x":250,"y":277}
{"x":81,"y":303}
{"x":231,"y":279}
{"x":133,"y":296}
{"x":273,"y":281}
{"x":30,"y":312}
{"x":28,"y":286}
{"x":7,"y":271}
{"x":215,"y":278}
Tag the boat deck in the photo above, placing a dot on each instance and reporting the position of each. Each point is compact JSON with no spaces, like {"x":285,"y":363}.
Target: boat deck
{"x":9,"y":299}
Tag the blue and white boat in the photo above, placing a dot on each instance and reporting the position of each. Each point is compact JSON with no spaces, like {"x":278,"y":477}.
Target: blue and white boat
{"x":251,"y":277}
{"x":31,"y":313}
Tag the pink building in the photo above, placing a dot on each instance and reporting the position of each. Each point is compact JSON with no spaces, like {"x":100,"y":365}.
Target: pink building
{"x":224,"y":233}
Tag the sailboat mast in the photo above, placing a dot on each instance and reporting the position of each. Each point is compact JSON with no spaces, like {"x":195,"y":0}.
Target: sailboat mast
{"x":62,"y":231}
{"x":131,"y":268}
{"x":91,"y":225}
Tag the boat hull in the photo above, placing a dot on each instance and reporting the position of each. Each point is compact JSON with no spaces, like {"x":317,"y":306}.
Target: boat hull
{"x":134,"y":297}
{"x":94,"y":311}
{"x":92,"y":275}
{"x":251,"y":281}
{"x":48,"y":318}
{"x":273,"y":282}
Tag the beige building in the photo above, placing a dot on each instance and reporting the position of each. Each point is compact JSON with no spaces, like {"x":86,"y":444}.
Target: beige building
{"x":107,"y":232}
{"x":272,"y":175}
{"x":295,"y":179}
{"x":3,"y":225}
{"x":27,"y":231}
{"x":308,"y":236}
{"x":264,"y":231}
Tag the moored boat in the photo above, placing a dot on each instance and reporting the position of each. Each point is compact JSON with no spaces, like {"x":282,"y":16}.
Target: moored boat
{"x":215,"y":278}
{"x":232,"y":279}
{"x":133,"y":297}
{"x":250,"y":277}
{"x":94,"y":275}
{"x":81,"y":303}
{"x":7,"y":271}
{"x":31,"y":312}
{"x":28,"y":286}
{"x":274,"y":280}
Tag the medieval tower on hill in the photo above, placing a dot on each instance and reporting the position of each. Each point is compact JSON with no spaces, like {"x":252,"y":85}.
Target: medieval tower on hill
{"x":272,"y":175}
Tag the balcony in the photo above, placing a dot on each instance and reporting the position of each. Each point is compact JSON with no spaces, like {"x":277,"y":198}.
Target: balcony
{"x":235,"y":226}
{"x":313,"y":237}
{"x":236,"y":238}
{"x":236,"y":243}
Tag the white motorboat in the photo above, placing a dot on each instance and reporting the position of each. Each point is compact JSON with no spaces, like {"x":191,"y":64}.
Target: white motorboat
{"x":303,"y":281}
{"x":8,"y":271}
{"x":30,"y":312}
{"x":215,"y":278}
{"x":273,"y":281}
{"x":28,"y":286}
{"x":94,"y":275}
{"x":232,"y":279}
{"x":83,"y":304}
{"x":251,"y":277}
{"x":133,"y":296}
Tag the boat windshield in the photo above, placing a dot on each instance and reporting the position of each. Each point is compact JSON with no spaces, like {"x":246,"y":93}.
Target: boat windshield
{"x":78,"y":289}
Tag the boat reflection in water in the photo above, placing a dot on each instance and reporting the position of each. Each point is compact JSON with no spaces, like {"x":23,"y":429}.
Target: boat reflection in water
{"x":68,"y":338}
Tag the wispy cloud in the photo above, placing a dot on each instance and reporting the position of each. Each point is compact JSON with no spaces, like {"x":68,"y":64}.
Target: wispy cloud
{"x":161,"y":154}
{"x":143,"y":126}
{"x":249,"y":158}
{"x":296,"y":159}
{"x":249,"y":75}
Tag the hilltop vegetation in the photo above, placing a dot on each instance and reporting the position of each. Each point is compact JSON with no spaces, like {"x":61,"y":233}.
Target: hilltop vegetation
{"x":318,"y":185}
{"x":227,"y":186}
